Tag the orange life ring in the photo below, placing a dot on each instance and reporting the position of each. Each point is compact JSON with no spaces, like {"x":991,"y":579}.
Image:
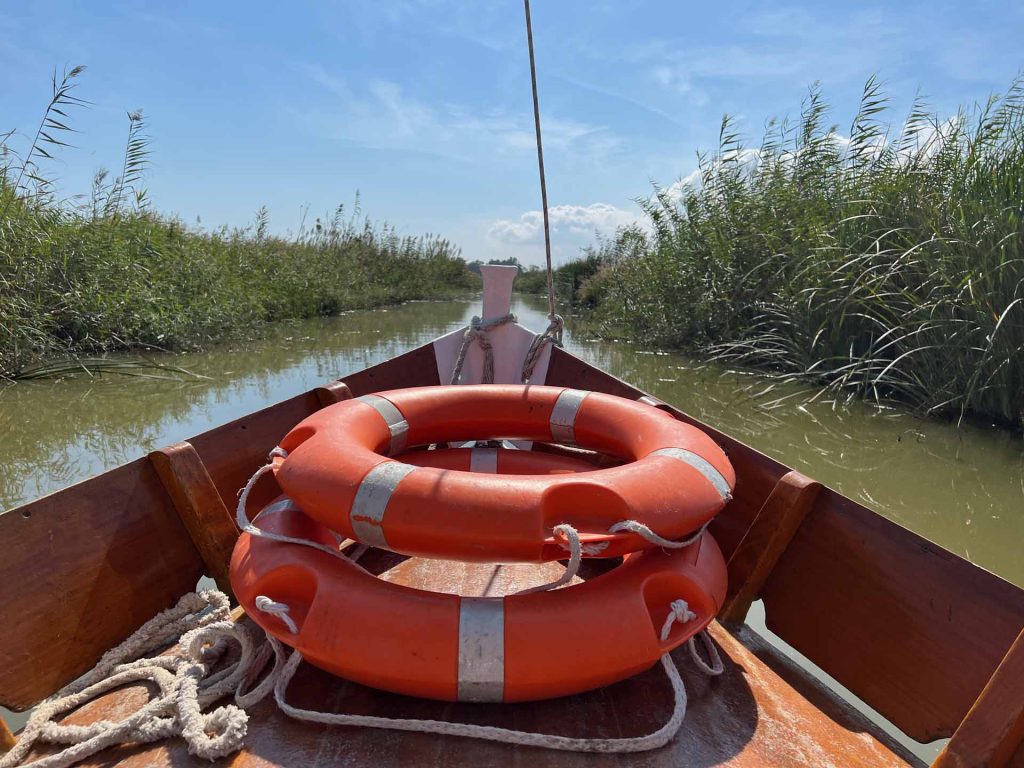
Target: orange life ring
{"x":442,"y":646}
{"x":338,"y":471}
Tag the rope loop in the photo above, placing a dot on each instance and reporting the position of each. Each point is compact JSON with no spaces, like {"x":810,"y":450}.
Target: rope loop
{"x":572,"y":539}
{"x":715,"y":667}
{"x":638,"y":528}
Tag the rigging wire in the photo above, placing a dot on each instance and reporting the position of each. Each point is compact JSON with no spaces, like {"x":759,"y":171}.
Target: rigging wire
{"x":540,"y":163}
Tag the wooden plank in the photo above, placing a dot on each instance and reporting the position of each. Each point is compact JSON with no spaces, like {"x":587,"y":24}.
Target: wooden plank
{"x":81,"y":570}
{"x":887,"y":613}
{"x":7,"y":739}
{"x":416,"y":368}
{"x":765,"y":541}
{"x":200,"y":507}
{"x":332,"y":393}
{"x":994,"y":727}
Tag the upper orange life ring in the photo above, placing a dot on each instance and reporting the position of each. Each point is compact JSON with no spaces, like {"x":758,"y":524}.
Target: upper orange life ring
{"x":442,"y":646}
{"x":337,"y":469}
{"x":493,"y":460}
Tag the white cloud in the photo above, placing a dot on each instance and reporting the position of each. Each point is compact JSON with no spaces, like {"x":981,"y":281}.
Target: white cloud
{"x":571,"y":221}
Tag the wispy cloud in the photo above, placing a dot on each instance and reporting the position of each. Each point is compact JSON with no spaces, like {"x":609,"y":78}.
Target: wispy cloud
{"x":791,"y":44}
{"x":381,"y":114}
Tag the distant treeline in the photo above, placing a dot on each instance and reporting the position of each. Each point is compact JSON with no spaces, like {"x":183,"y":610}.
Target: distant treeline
{"x":111,"y":274}
{"x":875,"y":264}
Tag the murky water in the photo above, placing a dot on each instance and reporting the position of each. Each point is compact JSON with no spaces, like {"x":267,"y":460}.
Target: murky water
{"x":963,"y":489}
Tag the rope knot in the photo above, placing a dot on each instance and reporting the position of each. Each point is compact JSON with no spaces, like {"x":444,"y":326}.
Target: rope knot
{"x":681,"y":611}
{"x":678,"y":611}
{"x":478,"y":331}
{"x":280,"y":610}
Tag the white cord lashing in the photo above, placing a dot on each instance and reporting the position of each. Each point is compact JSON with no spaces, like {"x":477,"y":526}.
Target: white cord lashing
{"x":632,"y":526}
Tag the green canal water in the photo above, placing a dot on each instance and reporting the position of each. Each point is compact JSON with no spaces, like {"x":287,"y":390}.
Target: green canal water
{"x":962,"y":488}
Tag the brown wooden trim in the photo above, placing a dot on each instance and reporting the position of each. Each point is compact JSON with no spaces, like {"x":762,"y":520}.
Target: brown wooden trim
{"x":332,"y":393}
{"x":765,"y":541}
{"x":7,"y":740}
{"x":195,"y":497}
{"x":994,"y":726}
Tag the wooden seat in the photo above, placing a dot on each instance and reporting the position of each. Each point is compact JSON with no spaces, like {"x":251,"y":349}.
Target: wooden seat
{"x":757,"y":713}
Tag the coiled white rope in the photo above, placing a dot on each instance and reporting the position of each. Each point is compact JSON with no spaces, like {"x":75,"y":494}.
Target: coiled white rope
{"x":186,"y":687}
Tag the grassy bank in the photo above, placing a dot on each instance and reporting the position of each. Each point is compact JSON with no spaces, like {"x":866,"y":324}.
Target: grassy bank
{"x":884,"y":265}
{"x":110,"y":274}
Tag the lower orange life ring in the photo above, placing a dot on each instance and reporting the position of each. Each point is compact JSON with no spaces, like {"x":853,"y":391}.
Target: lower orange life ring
{"x":338,"y":470}
{"x":441,"y":646}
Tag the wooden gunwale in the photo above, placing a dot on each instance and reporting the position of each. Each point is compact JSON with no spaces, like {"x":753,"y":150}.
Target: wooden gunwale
{"x":139,"y":528}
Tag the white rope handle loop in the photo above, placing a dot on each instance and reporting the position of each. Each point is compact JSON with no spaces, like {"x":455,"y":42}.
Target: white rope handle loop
{"x":245,"y":525}
{"x":280,"y":610}
{"x":633,"y":526}
{"x":572,"y":537}
{"x":715,"y":667}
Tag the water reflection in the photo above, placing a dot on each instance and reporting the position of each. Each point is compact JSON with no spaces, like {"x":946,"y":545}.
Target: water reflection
{"x":961,"y":488}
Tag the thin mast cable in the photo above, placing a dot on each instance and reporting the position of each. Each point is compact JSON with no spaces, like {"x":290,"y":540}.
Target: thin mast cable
{"x":540,"y":164}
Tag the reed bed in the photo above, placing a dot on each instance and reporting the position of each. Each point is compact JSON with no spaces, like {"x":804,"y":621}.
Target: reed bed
{"x":79,"y":279}
{"x":876,"y":264}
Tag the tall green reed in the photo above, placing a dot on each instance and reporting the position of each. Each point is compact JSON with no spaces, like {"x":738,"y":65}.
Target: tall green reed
{"x":878,"y":264}
{"x":82,"y":279}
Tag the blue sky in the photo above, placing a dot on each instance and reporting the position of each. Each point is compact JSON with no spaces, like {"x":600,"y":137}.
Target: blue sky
{"x":424,"y":105}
